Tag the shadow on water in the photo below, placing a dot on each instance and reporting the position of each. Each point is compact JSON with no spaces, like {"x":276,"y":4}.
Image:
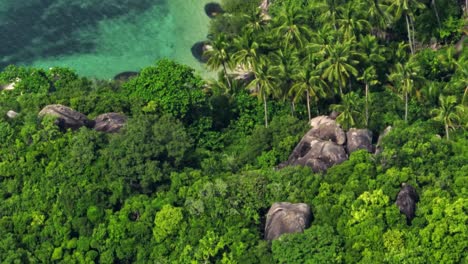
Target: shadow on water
{"x":47,"y":28}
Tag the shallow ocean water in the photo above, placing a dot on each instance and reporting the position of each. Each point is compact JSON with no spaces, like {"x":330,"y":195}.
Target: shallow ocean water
{"x":100,"y":38}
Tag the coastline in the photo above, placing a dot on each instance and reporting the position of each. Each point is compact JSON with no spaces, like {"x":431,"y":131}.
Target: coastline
{"x":132,"y":42}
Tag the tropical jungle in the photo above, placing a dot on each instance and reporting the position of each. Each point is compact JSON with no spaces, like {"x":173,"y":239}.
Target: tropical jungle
{"x":194,"y":166}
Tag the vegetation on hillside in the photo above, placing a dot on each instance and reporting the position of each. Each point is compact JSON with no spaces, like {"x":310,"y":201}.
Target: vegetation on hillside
{"x":190,"y":177}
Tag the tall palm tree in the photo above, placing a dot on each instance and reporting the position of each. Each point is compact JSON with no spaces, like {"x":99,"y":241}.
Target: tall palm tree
{"x":264,"y":82}
{"x":308,"y":80}
{"x":350,"y":24}
{"x":329,"y":11}
{"x":291,"y":25}
{"x":218,"y":55}
{"x":247,"y":52}
{"x":406,"y":8}
{"x":348,"y":110}
{"x":376,"y":12}
{"x":338,"y":64}
{"x":448,"y":112}
{"x":369,"y":76}
{"x":405,"y":77}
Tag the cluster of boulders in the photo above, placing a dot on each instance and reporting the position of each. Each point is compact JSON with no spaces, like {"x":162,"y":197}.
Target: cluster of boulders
{"x":69,"y":118}
{"x":327,"y":144}
{"x":285,"y":218}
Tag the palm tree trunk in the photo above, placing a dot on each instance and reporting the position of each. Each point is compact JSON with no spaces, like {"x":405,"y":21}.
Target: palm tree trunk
{"x":447,"y":131}
{"x":412,"y":33}
{"x":367,"y":104}
{"x":406,"y":106}
{"x":308,"y":105}
{"x":265,"y":108}
{"x":433,"y":2}
{"x":226,"y":76}
{"x":409,"y":35}
{"x":341,"y":88}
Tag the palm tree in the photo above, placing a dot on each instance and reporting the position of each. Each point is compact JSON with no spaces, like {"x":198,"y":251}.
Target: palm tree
{"x":350,"y":23}
{"x":348,"y":110}
{"x":376,"y":12}
{"x":329,"y":10}
{"x":218,"y":56}
{"x":406,"y":8}
{"x":405,"y":76}
{"x":338,"y":63}
{"x":369,"y":77}
{"x":290,"y":24}
{"x":247,"y":51}
{"x":264,"y":82}
{"x":448,"y":112}
{"x":307,"y":80}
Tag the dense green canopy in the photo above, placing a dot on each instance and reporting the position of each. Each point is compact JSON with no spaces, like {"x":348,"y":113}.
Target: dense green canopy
{"x":191,"y":175}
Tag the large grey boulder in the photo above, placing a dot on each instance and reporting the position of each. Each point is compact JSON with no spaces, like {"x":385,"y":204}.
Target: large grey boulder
{"x":406,"y":201}
{"x":359,"y":139}
{"x":287,"y":218}
{"x":66,"y":117}
{"x":316,"y":153}
{"x":109,"y":122}
{"x":325,"y":128}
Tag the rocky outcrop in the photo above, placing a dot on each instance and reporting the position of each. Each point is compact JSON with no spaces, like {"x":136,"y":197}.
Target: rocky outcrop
{"x":406,"y":201}
{"x":285,"y":218}
{"x":326,"y":144}
{"x":66,"y":117}
{"x":125,"y":76}
{"x":109,"y":122}
{"x":326,"y":128}
{"x":359,"y":139}
{"x":213,"y":9}
{"x":321,"y":148}
{"x":11,"y":114}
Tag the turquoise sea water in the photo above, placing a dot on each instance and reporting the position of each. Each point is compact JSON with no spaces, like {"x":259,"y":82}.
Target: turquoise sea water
{"x":100,"y":38}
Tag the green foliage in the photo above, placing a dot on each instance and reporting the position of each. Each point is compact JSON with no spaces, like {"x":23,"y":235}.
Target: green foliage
{"x":190,"y":177}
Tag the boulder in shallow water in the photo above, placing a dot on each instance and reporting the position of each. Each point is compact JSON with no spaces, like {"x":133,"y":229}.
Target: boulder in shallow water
{"x":213,"y":9}
{"x":359,"y":139}
{"x":198,"y":51}
{"x":285,"y":218}
{"x":109,"y":122}
{"x":66,"y":117}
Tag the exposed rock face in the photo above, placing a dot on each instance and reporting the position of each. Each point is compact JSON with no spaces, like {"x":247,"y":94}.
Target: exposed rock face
{"x":359,"y":139}
{"x":321,"y":147}
{"x":125,"y":76}
{"x":66,"y":117}
{"x":11,"y":114}
{"x":378,"y":147}
{"x":287,"y":218}
{"x":406,"y":201}
{"x":110,"y":122}
{"x":213,"y":9}
{"x":329,"y":131}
